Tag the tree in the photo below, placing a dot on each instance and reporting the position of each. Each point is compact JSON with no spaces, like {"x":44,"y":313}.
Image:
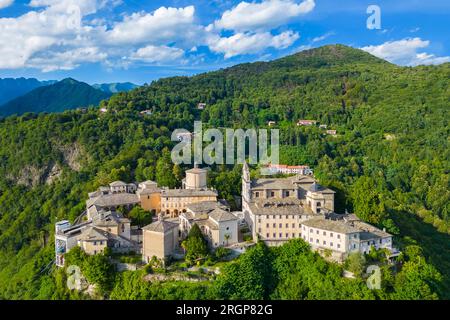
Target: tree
{"x":368,"y":201}
{"x":164,"y":171}
{"x":99,"y":270}
{"x":178,"y":173}
{"x":355,"y":263}
{"x":195,"y":245}
{"x":249,"y":278}
{"x":139,"y":216}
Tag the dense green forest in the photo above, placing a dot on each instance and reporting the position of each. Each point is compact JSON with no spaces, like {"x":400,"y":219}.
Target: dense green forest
{"x":389,"y":164}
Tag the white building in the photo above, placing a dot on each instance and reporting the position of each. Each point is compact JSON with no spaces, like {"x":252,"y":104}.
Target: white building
{"x":219,"y":226}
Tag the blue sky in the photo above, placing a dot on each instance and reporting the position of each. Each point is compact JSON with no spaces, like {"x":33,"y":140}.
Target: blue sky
{"x":142,"y":40}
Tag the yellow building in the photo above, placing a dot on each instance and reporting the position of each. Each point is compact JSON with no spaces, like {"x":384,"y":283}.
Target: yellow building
{"x":149,"y":196}
{"x":175,"y":201}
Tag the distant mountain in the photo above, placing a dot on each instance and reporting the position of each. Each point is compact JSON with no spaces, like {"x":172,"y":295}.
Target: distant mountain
{"x":57,"y":97}
{"x":115,"y":87}
{"x":12,"y":88}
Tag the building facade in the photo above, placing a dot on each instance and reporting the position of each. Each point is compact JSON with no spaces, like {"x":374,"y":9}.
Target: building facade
{"x":274,"y":208}
{"x":160,"y":240}
{"x":216,"y":222}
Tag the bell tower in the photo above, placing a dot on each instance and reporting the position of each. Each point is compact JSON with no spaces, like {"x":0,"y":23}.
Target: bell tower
{"x":246,"y":183}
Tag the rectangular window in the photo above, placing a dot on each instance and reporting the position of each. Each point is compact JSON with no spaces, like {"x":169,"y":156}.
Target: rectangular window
{"x":256,"y":194}
{"x":339,"y":246}
{"x":267,"y":235}
{"x":311,"y":240}
{"x":293,"y":235}
{"x":324,"y":233}
{"x":281,"y":235}
{"x":287,"y":193}
{"x":331,"y":244}
{"x":317,"y":231}
{"x":287,"y":235}
{"x":318,"y":204}
{"x":338,"y":236}
{"x":324,"y":242}
{"x":274,"y":235}
{"x":259,"y":230}
{"x":267,"y":225}
{"x":287,"y":225}
{"x":317,"y":240}
{"x":274,"y":225}
{"x":331,"y":234}
{"x":272,"y":194}
{"x":281,"y":225}
{"x":293,"y":225}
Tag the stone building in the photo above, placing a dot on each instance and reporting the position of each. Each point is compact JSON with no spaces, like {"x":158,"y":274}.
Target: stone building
{"x":160,"y":240}
{"x":343,"y":236}
{"x":216,"y":222}
{"x":275,"y":207}
{"x":104,"y":229}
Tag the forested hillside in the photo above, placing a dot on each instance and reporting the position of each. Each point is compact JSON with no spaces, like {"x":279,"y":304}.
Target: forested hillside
{"x":63,"y":95}
{"x":389,"y":164}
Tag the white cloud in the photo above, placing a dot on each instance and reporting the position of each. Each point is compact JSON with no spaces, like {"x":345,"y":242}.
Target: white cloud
{"x":405,"y":52}
{"x":157,"y":54}
{"x":55,"y":35}
{"x":266,"y":15}
{"x":245,"y":43}
{"x":323,"y":37}
{"x":67,"y":60}
{"x":5,"y":3}
{"x":164,"y":24}
{"x":63,"y":34}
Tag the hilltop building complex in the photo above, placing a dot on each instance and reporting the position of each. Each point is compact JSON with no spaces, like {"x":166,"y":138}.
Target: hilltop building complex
{"x":275,"y":210}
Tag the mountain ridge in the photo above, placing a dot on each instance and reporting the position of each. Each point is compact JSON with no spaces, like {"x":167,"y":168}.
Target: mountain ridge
{"x":65,"y":94}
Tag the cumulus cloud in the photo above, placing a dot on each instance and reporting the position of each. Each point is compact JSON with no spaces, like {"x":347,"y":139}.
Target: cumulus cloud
{"x":157,"y":54}
{"x":254,"y":25}
{"x":245,"y":43}
{"x":64,"y":34}
{"x":164,"y":24}
{"x":405,"y":52}
{"x":266,"y":15}
{"x":55,"y":35}
{"x":5,"y":3}
{"x":67,"y":60}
